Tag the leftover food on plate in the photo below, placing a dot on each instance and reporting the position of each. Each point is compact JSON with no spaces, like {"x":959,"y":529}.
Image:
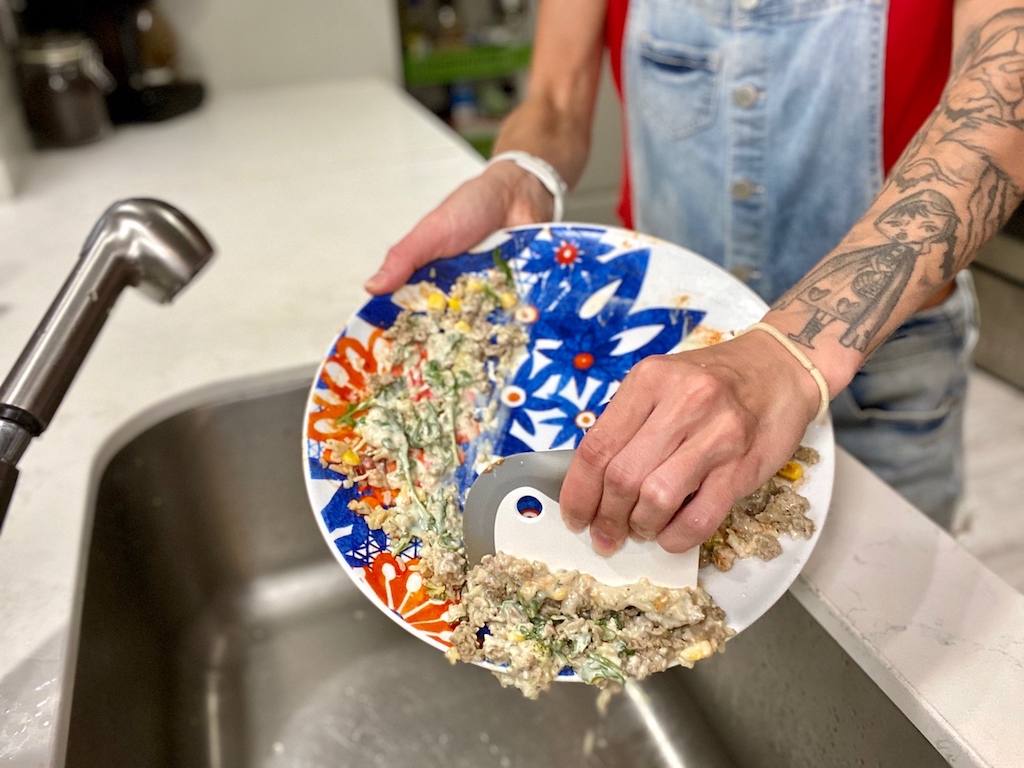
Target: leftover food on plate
{"x":424,"y":413}
{"x":430,"y":401}
{"x":534,"y":623}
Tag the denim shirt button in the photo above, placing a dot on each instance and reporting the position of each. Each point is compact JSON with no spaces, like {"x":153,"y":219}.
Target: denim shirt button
{"x":745,"y":96}
{"x":749,"y":5}
{"x":743,"y":189}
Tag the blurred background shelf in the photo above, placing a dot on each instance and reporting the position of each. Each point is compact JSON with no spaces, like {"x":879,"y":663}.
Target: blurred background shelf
{"x":445,"y":67}
{"x":467,"y":61}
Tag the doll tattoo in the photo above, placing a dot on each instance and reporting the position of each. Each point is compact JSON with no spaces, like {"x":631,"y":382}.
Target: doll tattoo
{"x":859,"y":289}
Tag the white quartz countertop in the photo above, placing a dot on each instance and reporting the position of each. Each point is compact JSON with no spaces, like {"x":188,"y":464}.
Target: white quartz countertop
{"x":302,"y":189}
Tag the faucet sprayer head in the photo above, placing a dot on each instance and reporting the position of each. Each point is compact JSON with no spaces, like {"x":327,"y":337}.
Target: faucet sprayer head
{"x":161,"y":247}
{"x":144,"y":243}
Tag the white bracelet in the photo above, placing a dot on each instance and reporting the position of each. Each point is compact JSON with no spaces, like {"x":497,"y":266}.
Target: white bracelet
{"x":805,"y":361}
{"x":542,"y":170}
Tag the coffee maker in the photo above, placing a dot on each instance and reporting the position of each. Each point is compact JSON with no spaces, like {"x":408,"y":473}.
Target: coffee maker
{"x":138,"y":47}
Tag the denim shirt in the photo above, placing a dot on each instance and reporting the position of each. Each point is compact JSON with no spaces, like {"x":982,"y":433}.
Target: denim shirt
{"x":754,"y":127}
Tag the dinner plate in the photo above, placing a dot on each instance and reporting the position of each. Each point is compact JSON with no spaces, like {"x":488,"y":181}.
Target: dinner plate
{"x":594,"y":301}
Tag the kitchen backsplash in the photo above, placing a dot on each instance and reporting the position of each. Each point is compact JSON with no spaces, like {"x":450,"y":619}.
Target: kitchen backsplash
{"x":241,"y":43}
{"x":238,"y":43}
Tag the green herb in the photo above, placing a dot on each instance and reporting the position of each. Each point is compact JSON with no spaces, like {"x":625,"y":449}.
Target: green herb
{"x":451,"y":411}
{"x":599,"y":667}
{"x":433,"y":373}
{"x":503,"y":267}
{"x":401,"y":453}
{"x":489,"y":293}
{"x":434,"y":591}
{"x":579,"y":644}
{"x":348,"y":416}
{"x":403,"y":460}
{"x":397,"y":546}
{"x":530,"y":607}
{"x":426,"y":428}
{"x":534,"y":630}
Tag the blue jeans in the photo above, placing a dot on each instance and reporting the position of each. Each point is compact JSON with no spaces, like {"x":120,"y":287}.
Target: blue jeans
{"x":754,"y":132}
{"x":902,"y":414}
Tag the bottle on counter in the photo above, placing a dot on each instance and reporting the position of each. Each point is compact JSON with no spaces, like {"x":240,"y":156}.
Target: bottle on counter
{"x":141,"y":49}
{"x":464,"y":111}
{"x":468,"y":121}
{"x":450,"y":33}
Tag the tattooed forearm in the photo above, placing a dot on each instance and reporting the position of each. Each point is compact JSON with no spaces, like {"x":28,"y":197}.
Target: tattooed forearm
{"x":859,"y":289}
{"x":981,"y":114}
{"x":957,"y":182}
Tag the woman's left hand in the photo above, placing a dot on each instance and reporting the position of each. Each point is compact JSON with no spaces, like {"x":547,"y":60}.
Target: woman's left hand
{"x":684,"y":437}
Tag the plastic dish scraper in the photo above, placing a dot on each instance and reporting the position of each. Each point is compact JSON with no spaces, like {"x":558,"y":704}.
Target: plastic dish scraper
{"x":513,"y":508}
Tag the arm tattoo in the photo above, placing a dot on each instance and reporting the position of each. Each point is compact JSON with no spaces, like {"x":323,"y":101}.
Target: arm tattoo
{"x":981,"y":113}
{"x":860,"y":288}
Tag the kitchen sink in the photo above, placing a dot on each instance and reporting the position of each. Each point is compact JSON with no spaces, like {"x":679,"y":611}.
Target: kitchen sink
{"x":218,"y":630}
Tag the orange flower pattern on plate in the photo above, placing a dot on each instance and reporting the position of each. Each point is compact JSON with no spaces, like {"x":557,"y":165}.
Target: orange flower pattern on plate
{"x":399,"y":585}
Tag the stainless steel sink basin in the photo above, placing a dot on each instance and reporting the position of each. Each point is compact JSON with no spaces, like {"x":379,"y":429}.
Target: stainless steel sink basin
{"x":217,"y":630}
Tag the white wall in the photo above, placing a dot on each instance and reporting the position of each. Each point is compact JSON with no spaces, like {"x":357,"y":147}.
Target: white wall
{"x":239,"y":43}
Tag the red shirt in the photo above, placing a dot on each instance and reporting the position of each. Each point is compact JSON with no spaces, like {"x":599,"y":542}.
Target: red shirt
{"x":918,"y":48}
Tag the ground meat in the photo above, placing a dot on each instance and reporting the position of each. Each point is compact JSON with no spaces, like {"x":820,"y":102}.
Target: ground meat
{"x":443,"y":569}
{"x":533,"y":623}
{"x":754,"y":524}
{"x":806,"y":455}
{"x":538,"y":622}
{"x":786,"y":512}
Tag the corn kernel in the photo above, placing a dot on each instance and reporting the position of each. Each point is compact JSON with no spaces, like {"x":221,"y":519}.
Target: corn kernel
{"x":351,"y":458}
{"x":791,"y":471}
{"x":474,"y":286}
{"x":436,"y":301}
{"x":463,"y":327}
{"x":697,"y":651}
{"x":455,"y":304}
{"x":508,"y":299}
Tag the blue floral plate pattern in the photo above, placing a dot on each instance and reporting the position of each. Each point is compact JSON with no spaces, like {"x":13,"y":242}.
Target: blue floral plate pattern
{"x":594,"y":300}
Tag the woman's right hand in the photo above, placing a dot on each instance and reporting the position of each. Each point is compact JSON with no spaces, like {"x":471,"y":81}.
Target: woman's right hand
{"x":504,"y":195}
{"x":553,"y":122}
